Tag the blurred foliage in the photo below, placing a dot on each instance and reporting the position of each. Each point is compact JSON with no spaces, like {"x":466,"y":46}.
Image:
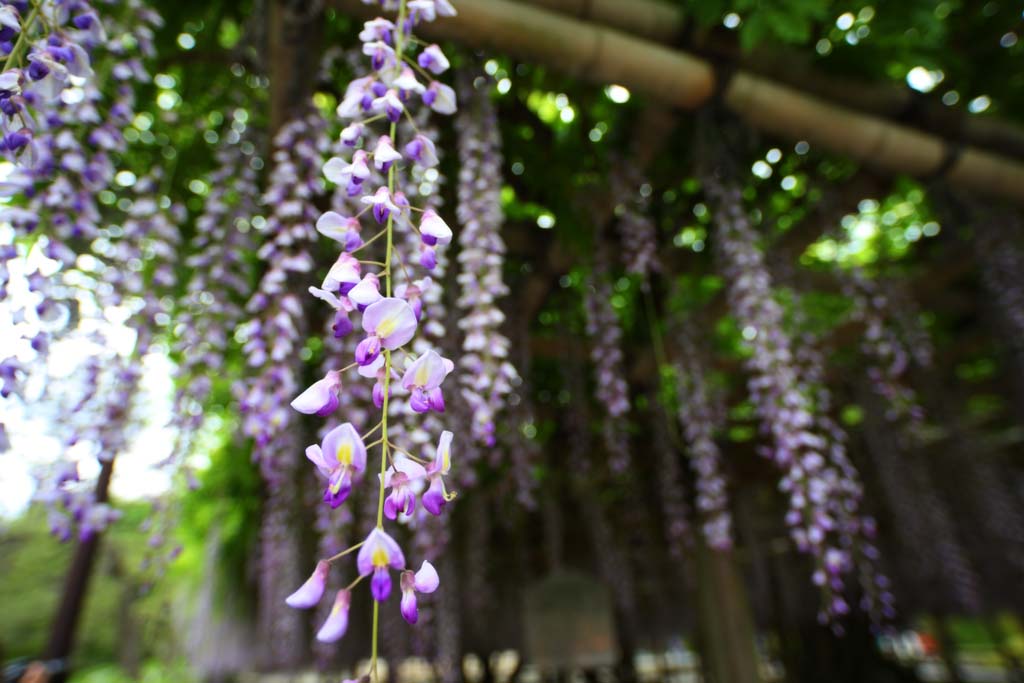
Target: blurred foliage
{"x":121,"y":612}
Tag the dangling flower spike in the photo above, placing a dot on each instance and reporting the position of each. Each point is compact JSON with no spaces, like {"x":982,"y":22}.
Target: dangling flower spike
{"x":385,"y":299}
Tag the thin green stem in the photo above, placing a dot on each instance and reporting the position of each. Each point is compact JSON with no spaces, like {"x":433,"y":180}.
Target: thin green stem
{"x":371,"y":431}
{"x":388,"y":256}
{"x":369,"y":241}
{"x":14,"y":58}
{"x":343,"y":553}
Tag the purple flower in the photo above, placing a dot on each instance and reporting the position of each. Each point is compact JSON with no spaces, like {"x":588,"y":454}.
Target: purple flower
{"x":390,"y":105}
{"x":380,"y":53}
{"x":343,"y":275}
{"x":399,"y":479}
{"x":391,"y":323}
{"x":378,"y":554}
{"x":382,"y":203}
{"x":340,"y":458}
{"x":407,"y":83}
{"x":423,"y":380}
{"x":423,"y":581}
{"x":433,"y":60}
{"x":435,"y":497}
{"x":378,"y":29}
{"x":340,"y":229}
{"x":366,"y":292}
{"x":312,"y":590}
{"x":440,"y":98}
{"x":385,"y":154}
{"x":351,"y":134}
{"x":433,"y":229}
{"x":337,"y":621}
{"x":421,"y":149}
{"x":428,"y":257}
{"x":321,"y":398}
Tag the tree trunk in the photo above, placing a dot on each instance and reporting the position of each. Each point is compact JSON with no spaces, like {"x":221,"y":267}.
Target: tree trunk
{"x":726,"y":619}
{"x":69,"y":610}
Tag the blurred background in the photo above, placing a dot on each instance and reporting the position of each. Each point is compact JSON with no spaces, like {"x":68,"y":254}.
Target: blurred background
{"x":744,"y":397}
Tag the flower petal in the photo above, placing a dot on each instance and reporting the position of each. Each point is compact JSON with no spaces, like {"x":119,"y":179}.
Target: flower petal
{"x":312,"y":590}
{"x":342,"y":446}
{"x":427,"y":579}
{"x":392,"y":320}
{"x":321,"y":398}
{"x":337,"y":621}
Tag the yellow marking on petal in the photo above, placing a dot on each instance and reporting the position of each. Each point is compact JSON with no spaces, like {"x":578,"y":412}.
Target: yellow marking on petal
{"x":380,"y":557}
{"x":344,"y":453}
{"x":446,"y":459}
{"x":387,"y":326}
{"x":422,"y":375}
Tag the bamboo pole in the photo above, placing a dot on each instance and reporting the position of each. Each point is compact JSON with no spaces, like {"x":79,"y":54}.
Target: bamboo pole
{"x":662,"y":22}
{"x":603,"y":55}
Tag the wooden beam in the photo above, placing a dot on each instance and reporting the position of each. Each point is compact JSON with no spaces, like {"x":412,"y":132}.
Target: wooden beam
{"x":665,"y":23}
{"x":678,"y":79}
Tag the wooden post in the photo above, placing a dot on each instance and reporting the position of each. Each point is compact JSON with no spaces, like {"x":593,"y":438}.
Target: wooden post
{"x":293,"y":36}
{"x":726,"y":619}
{"x":76,"y":583}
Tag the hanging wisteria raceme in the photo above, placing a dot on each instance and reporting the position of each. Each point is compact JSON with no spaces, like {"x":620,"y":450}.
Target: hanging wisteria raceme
{"x":785,"y":412}
{"x":937,"y":562}
{"x":882,"y":343}
{"x":219,"y":282}
{"x":857,"y":532}
{"x":486,"y":374}
{"x":74,"y":133}
{"x":524,"y":452}
{"x":143,"y":248}
{"x":272,"y":341}
{"x":274,"y":336}
{"x":385,"y":298}
{"x":698,"y":421}
{"x":636,"y":229}
{"x":46,"y":44}
{"x":671,"y":488}
{"x":605,"y":332}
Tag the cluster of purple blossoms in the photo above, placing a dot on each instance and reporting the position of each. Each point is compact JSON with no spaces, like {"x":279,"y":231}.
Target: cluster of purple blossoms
{"x":273,"y":338}
{"x":219,"y":282}
{"x":488,"y":376}
{"x":363,"y":293}
{"x":47,"y":44}
{"x":698,"y":422}
{"x":144,"y":248}
{"x":639,"y":236}
{"x":272,"y":341}
{"x":786,"y":413}
{"x":884,"y":346}
{"x":671,"y":489}
{"x":605,"y":332}
{"x":857,"y":532}
{"x":74,"y":137}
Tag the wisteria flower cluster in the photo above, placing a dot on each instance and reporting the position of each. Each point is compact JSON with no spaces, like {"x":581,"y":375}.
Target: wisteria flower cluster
{"x":786,"y":413}
{"x":389,"y":313}
{"x":857,"y":549}
{"x":274,"y":335}
{"x":636,"y":229}
{"x":889,"y":354}
{"x":72,"y":139}
{"x":698,"y":422}
{"x":612,"y":391}
{"x":219,"y":280}
{"x":488,"y":376}
{"x":47,"y":44}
